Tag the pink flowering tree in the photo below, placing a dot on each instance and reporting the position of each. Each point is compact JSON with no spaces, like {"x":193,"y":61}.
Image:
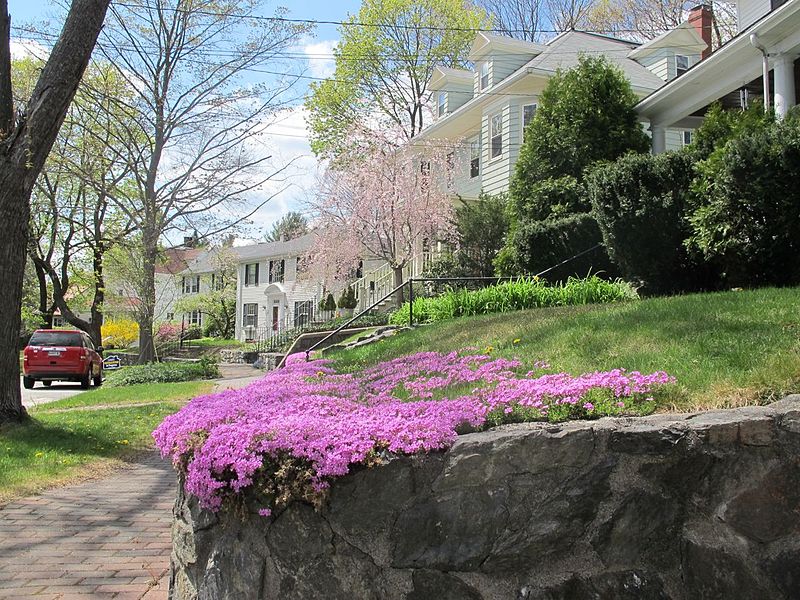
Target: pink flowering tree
{"x":382,"y":198}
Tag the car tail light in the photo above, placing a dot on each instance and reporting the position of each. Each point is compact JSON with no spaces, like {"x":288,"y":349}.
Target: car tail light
{"x":84,"y":353}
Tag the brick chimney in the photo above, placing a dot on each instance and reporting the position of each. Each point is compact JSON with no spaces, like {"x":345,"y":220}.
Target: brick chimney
{"x":701,"y":18}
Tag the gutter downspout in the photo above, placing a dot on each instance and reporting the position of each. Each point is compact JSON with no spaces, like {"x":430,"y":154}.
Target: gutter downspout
{"x":759,"y":46}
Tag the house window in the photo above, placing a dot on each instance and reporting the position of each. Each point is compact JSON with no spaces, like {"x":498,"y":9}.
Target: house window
{"x":686,"y":137}
{"x":475,"y":158}
{"x":170,"y":316}
{"x":251,"y":274}
{"x":681,"y":64}
{"x":195,"y":318}
{"x":425,"y":167}
{"x":484,"y":82}
{"x":191,"y":284}
{"x":58,"y":321}
{"x":303,"y":313}
{"x":276,"y":270}
{"x":217,"y":282}
{"x":250,"y":315}
{"x":496,"y":135}
{"x":441,"y":104}
{"x":528,"y":111}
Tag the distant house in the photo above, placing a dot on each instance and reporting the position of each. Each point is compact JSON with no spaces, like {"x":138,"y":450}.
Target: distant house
{"x":491,"y":105}
{"x":272,"y":293}
{"x":734,"y":74}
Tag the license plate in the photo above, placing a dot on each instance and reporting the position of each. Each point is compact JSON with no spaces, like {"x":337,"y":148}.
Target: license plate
{"x":54,"y":353}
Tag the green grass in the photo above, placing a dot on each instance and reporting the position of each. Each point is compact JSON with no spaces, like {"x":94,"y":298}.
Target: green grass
{"x":209,"y":342}
{"x":726,"y":349}
{"x":131,"y":394}
{"x":59,"y":446}
{"x":510,"y":296}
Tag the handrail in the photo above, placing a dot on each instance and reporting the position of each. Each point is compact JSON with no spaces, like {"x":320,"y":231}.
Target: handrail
{"x":358,"y":316}
{"x":410,"y":282}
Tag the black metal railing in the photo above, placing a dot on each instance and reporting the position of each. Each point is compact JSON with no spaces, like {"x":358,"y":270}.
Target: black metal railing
{"x":410,"y":284}
{"x":273,"y":337}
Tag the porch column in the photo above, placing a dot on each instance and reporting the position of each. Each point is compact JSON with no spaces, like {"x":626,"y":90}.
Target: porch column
{"x":659,"y":133}
{"x":784,"y":84}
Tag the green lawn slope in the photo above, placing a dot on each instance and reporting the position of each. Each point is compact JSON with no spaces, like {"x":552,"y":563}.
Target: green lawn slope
{"x":725,"y":349}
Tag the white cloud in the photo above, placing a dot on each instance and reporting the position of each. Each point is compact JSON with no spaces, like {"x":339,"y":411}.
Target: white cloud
{"x":320,"y":58}
{"x":285,"y":139}
{"x":24,"y":48}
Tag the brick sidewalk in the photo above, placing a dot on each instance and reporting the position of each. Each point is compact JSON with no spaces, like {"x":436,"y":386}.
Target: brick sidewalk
{"x":108,"y":538}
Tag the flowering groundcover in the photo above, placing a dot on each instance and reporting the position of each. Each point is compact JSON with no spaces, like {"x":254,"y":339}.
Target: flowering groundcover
{"x":288,"y":435}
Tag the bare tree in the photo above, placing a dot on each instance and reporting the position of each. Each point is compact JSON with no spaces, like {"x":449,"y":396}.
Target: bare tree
{"x":565,"y":15}
{"x":521,"y":19}
{"x":75,"y":223}
{"x":25,"y":141}
{"x":194,"y":153}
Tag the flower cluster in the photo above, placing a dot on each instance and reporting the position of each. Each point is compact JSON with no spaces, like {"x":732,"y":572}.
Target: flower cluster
{"x":332,"y":421}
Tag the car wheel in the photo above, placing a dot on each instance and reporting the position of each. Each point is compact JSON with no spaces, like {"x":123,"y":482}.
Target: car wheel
{"x":47,"y":383}
{"x":86,"y":380}
{"x":27,"y":383}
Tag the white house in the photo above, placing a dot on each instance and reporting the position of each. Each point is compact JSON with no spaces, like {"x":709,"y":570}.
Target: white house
{"x":768,"y":44}
{"x":272,"y":293}
{"x":490,"y":105}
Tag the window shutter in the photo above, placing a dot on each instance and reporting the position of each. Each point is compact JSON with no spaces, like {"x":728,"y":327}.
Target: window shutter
{"x":256,"y":273}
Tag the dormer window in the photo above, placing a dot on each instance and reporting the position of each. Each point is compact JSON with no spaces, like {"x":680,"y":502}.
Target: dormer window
{"x":484,"y":73}
{"x":441,"y":104}
{"x":681,"y":64}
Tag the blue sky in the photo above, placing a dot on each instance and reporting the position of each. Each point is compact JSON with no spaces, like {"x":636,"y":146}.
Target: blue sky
{"x":289,"y":142}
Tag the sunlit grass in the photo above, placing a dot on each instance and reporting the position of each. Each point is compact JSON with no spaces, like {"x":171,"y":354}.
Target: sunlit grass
{"x":726,"y":349}
{"x":57,"y":445}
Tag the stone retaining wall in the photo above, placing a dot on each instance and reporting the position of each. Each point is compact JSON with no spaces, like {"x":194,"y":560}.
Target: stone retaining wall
{"x":663,"y":507}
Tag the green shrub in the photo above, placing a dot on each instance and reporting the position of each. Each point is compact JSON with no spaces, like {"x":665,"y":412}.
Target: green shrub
{"x":327,"y":304}
{"x":641,"y":202}
{"x":521,"y":294}
{"x":539,"y":245}
{"x":748,"y":212}
{"x":482,"y":226}
{"x":348,"y":298}
{"x":164,"y":372}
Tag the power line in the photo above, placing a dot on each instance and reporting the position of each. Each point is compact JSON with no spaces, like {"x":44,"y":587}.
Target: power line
{"x":354,"y":23}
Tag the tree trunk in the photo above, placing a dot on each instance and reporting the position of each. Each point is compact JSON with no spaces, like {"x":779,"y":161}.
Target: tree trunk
{"x":147,"y":301}
{"x":96,"y":320}
{"x":24,"y":147}
{"x":46,"y":308}
{"x":397,"y":279}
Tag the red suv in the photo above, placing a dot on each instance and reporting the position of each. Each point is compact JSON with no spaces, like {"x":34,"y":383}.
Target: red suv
{"x":61,"y":355}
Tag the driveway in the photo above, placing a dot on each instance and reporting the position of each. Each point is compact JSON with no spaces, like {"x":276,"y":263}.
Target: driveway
{"x":42,"y":395}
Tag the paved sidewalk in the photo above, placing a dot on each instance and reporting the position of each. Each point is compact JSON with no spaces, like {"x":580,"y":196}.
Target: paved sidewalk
{"x":107,"y":538}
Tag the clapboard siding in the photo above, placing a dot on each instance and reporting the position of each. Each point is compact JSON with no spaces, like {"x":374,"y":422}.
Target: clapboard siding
{"x":750,"y":11}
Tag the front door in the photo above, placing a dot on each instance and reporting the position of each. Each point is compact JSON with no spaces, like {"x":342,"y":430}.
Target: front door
{"x":275,"y":317}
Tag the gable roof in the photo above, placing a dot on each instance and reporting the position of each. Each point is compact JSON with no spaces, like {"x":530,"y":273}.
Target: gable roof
{"x":177,"y":259}
{"x":564,"y":50}
{"x":294,"y":247}
{"x":684,"y":37}
{"x":486,"y":43}
{"x":443,"y":75}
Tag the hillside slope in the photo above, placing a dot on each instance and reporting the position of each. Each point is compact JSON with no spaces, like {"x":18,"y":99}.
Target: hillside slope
{"x":725,"y":349}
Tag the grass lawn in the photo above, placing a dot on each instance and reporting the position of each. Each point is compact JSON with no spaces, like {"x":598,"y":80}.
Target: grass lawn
{"x":209,"y":342}
{"x":725,"y":349}
{"x":63,"y":441}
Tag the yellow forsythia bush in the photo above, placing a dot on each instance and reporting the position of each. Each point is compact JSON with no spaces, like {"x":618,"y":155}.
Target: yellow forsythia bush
{"x":119,"y":333}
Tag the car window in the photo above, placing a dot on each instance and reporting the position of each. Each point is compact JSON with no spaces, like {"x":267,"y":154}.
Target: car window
{"x":55,"y":338}
{"x":87,"y":341}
